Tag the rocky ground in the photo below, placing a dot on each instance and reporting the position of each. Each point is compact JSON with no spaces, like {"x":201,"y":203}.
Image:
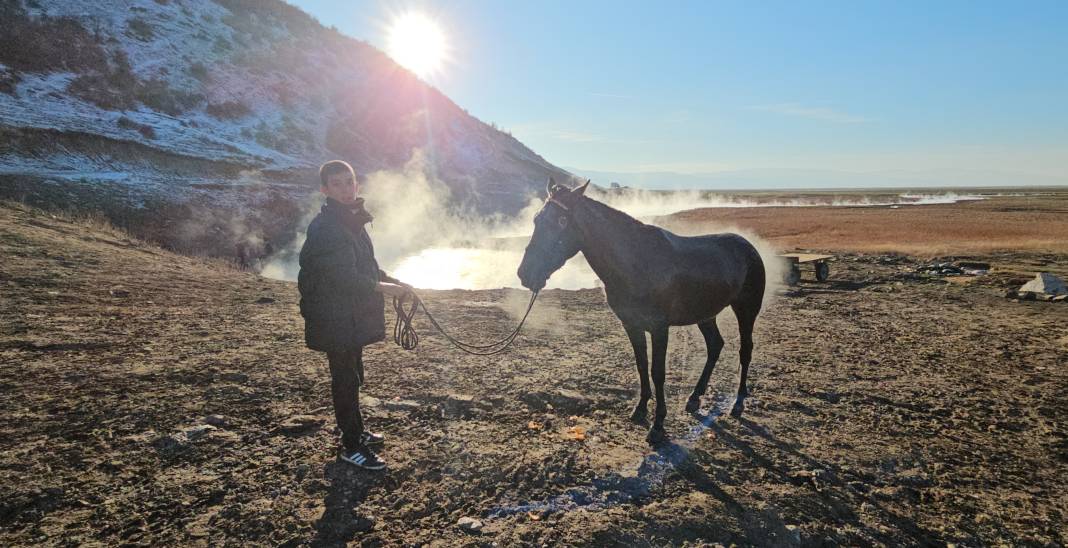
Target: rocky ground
{"x":150,"y":398}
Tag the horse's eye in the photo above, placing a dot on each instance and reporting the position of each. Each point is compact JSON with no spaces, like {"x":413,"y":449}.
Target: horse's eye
{"x":563,"y":222}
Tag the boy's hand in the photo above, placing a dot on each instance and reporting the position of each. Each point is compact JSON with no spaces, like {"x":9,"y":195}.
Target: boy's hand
{"x":393,"y":290}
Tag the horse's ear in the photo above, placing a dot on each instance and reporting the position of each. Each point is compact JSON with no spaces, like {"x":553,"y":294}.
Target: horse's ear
{"x":582,"y":189}
{"x":550,"y":186}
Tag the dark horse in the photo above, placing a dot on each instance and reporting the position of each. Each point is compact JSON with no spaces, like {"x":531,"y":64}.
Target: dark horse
{"x":653,"y":279}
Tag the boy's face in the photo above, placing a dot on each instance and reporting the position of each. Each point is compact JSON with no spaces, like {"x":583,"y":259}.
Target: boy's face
{"x":341,"y":187}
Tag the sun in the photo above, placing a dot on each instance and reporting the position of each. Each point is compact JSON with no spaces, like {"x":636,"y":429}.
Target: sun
{"x":417,"y":43}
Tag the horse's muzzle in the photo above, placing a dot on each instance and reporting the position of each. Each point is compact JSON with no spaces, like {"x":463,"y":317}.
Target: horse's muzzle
{"x":533,"y":283}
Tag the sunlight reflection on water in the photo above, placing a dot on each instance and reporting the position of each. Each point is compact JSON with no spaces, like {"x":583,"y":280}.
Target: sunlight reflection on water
{"x":469,"y":268}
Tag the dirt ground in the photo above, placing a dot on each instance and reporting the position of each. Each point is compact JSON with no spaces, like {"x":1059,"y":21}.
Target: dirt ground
{"x":150,"y":398}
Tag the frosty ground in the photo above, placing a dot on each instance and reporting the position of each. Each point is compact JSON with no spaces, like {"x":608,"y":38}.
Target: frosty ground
{"x":150,"y":398}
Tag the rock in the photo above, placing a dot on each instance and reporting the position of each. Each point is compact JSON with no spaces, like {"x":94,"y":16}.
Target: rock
{"x":198,"y":431}
{"x":457,"y":405}
{"x":216,"y":420}
{"x":469,"y":525}
{"x":801,"y":477}
{"x":1045,"y":282}
{"x":119,"y":292}
{"x":562,"y":400}
{"x":225,"y":438}
{"x":298,"y":424}
{"x":183,"y":438}
{"x":1045,"y":297}
{"x":264,"y":300}
{"x":1060,"y":298}
{"x":401,"y":405}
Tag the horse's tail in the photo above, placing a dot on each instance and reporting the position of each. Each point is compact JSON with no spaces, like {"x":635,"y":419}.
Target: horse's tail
{"x":755,"y":283}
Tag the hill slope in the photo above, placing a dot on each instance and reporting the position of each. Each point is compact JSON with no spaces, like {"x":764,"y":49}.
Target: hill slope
{"x":225,"y":101}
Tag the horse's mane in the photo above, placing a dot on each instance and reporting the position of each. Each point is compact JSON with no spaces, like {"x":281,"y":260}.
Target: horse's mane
{"x":632,"y":231}
{"x":612,"y":214}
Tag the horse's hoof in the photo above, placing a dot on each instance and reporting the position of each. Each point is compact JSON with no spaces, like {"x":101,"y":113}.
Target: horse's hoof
{"x":693,"y":405}
{"x":639,"y":414}
{"x":737,"y":410}
{"x":656,"y":436}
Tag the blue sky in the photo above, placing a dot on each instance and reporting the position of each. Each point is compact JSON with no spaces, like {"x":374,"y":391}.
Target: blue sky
{"x":715,"y":86}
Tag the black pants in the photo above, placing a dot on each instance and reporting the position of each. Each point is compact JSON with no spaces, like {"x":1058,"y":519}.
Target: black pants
{"x":346,"y":376}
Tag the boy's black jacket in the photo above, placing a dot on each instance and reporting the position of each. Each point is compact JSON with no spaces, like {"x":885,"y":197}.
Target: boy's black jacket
{"x":337,"y":280}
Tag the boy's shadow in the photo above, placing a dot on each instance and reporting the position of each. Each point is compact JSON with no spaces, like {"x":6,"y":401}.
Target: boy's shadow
{"x":342,"y":521}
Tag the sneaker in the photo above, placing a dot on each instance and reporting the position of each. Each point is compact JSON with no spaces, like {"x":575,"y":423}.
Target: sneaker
{"x":370,"y":438}
{"x":364,"y":458}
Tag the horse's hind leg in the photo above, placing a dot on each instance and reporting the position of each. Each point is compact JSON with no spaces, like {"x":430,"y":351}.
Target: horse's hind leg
{"x":641,"y":357}
{"x":746,"y":318}
{"x":714,"y":345}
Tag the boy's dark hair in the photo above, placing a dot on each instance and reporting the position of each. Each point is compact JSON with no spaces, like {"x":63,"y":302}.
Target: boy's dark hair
{"x":333,"y":167}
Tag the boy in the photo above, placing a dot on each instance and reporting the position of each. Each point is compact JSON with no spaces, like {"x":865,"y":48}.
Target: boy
{"x":341,"y":300}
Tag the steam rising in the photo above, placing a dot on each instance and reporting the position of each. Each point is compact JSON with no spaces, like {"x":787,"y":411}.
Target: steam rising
{"x":422,"y":238}
{"x":650,"y":203}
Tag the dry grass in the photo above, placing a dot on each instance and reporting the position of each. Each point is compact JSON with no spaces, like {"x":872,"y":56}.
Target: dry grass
{"x":999,"y":224}
{"x":98,"y":223}
{"x":92,"y":221}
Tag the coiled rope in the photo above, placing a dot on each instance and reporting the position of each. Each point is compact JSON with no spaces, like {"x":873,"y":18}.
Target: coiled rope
{"x":405,"y":336}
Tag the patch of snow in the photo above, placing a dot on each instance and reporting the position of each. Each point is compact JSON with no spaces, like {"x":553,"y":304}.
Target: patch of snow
{"x":43,"y":103}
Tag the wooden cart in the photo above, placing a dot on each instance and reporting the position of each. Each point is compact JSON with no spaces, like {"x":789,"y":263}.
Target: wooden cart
{"x":795,"y":260}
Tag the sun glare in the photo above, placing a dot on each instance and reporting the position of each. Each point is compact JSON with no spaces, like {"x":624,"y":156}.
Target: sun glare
{"x":417,"y":43}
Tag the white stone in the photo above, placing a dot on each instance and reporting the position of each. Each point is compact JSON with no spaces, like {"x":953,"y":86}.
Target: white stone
{"x":1047,"y":283}
{"x":469,"y":524}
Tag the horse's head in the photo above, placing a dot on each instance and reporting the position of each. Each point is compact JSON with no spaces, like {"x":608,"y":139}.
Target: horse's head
{"x":555,"y":238}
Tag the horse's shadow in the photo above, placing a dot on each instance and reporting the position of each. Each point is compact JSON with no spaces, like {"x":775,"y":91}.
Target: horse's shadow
{"x":688,"y":468}
{"x":342,"y":521}
{"x":833,"y":491}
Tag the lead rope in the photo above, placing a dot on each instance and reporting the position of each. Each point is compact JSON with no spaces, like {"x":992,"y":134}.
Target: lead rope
{"x":405,"y":336}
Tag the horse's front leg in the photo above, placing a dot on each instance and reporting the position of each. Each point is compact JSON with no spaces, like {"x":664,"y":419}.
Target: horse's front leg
{"x":660,"y":343}
{"x":641,"y":357}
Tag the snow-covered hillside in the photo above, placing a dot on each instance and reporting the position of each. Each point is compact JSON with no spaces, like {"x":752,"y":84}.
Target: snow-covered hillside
{"x":224,"y":85}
